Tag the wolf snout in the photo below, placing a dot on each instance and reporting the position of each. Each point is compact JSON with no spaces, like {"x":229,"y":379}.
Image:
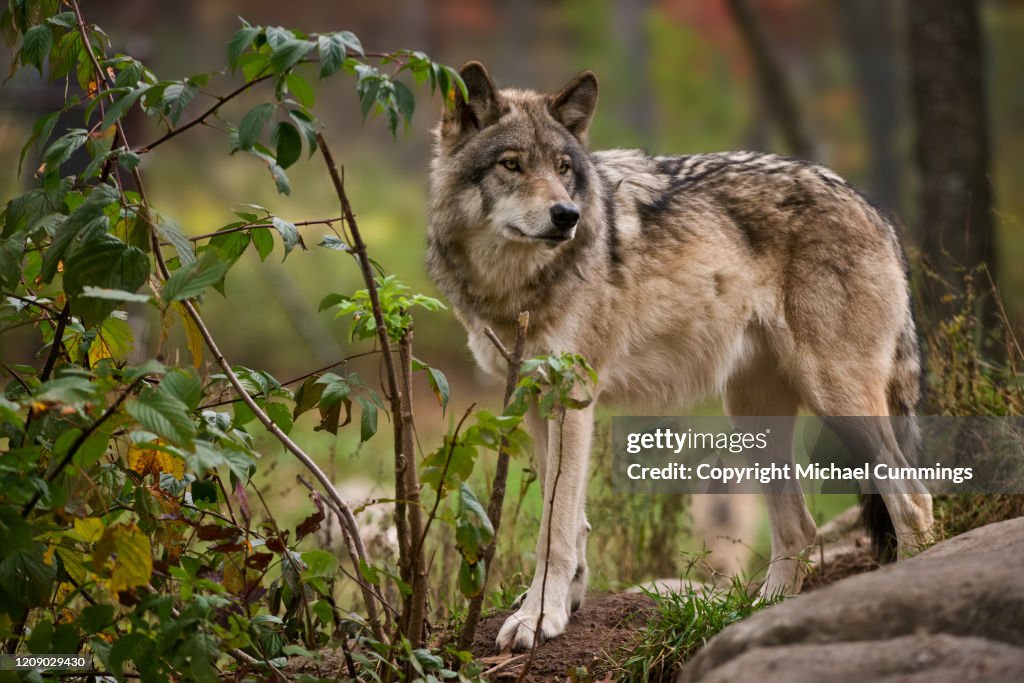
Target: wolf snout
{"x":564,"y":215}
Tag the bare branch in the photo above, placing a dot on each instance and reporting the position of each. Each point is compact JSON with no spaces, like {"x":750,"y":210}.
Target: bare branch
{"x":497,"y":343}
{"x":497,"y":499}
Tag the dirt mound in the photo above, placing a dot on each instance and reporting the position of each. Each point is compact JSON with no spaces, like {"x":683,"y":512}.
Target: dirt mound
{"x":602,"y":625}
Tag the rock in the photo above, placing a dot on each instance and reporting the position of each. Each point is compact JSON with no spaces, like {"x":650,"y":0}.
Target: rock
{"x":954,"y":612}
{"x":924,"y":658}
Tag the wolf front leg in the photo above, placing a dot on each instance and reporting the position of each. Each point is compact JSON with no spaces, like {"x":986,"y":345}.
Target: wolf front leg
{"x":548,"y":602}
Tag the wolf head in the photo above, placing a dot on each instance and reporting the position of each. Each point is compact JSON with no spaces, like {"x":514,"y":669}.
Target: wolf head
{"x":515,"y":161}
{"x":515,"y":200}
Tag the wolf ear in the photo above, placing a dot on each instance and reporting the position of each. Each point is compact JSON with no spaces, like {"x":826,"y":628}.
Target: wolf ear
{"x":480,"y":109}
{"x":575,"y":105}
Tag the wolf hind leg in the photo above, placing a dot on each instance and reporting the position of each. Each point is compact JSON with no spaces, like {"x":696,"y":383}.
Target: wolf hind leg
{"x":874,"y":440}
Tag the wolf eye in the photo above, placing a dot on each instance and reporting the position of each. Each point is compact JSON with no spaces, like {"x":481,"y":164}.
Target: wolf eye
{"x":564,"y":166}
{"x":511,"y":164}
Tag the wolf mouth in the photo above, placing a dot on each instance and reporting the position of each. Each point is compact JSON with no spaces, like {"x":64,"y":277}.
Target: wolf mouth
{"x":550,"y":238}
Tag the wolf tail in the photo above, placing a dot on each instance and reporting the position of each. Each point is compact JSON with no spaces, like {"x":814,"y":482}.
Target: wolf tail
{"x":904,"y":393}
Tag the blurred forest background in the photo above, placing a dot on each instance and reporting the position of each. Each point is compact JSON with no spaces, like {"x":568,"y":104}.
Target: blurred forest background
{"x":920,"y":103}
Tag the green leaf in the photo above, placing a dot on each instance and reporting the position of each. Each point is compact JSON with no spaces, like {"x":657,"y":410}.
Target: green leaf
{"x":335,"y":389}
{"x":87,"y":214}
{"x":331,"y":49}
{"x":307,"y":126}
{"x":72,"y":391}
{"x":37,"y":45}
{"x":115,"y":294}
{"x":332,"y":242}
{"x":320,"y":564}
{"x":460,"y":459}
{"x":252,"y":124}
{"x":280,"y":415}
{"x":368,"y":419}
{"x":41,"y":131}
{"x":276,"y":172}
{"x":471,"y":578}
{"x":264,"y":243}
{"x":289,"y":234}
{"x":63,"y":20}
{"x":164,"y":415}
{"x":95,"y":618}
{"x":438,"y":382}
{"x":288,"y":144}
{"x":240,"y":42}
{"x":307,"y":396}
{"x":113,"y":340}
{"x":118,"y":108}
{"x":300,"y":87}
{"x":473,"y":529}
{"x":171,"y":232}
{"x":405,"y":100}
{"x":183,"y":385}
{"x":105,"y":262}
{"x":351,"y":42}
{"x":12,"y":250}
{"x":192,"y":280}
{"x":63,"y":147}
{"x":177,"y":96}
{"x":288,"y":52}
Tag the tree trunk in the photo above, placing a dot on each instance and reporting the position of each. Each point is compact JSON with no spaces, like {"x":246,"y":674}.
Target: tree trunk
{"x":954,"y":224}
{"x":869,"y":32}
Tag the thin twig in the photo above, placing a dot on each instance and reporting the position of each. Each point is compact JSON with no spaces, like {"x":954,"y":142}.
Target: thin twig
{"x":406,"y":485}
{"x":497,"y":343}
{"x":221,"y":101}
{"x":350,"y":528}
{"x":58,"y":341}
{"x":444,"y":474}
{"x":255,"y":226}
{"x":547,"y":552}
{"x":497,"y":500}
{"x":32,"y":302}
{"x":294,"y":379}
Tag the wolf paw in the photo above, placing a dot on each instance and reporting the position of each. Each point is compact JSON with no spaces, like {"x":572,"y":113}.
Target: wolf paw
{"x":517,"y":633}
{"x":785,"y":577}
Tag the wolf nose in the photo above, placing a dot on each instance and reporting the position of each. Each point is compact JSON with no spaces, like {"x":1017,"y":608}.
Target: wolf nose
{"x":564,"y":215}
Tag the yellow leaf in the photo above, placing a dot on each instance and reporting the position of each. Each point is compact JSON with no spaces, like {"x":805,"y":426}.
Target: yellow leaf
{"x":73,"y":565}
{"x":132,"y":556}
{"x":48,"y":555}
{"x":89,"y":529}
{"x":64,"y":590}
{"x":192,"y":334}
{"x":152,"y":461}
{"x":113,"y":340}
{"x":234,"y":572}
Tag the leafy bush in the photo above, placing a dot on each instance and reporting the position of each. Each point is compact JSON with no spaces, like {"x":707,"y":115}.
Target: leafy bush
{"x":129,"y":524}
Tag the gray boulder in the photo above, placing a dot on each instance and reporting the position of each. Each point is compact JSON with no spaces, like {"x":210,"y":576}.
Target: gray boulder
{"x":953,"y":613}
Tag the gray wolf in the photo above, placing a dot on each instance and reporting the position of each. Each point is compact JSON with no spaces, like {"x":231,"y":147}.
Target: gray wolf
{"x":763,"y":279}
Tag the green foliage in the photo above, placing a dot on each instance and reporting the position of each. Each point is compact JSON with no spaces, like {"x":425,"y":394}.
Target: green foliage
{"x":681,"y":624}
{"x":125,"y":512}
{"x":395,"y":301}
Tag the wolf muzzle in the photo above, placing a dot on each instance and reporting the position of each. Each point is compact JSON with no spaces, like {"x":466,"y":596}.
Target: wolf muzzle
{"x":564,"y":216}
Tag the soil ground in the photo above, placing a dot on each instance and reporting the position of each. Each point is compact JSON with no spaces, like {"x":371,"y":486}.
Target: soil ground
{"x":602,"y":627}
